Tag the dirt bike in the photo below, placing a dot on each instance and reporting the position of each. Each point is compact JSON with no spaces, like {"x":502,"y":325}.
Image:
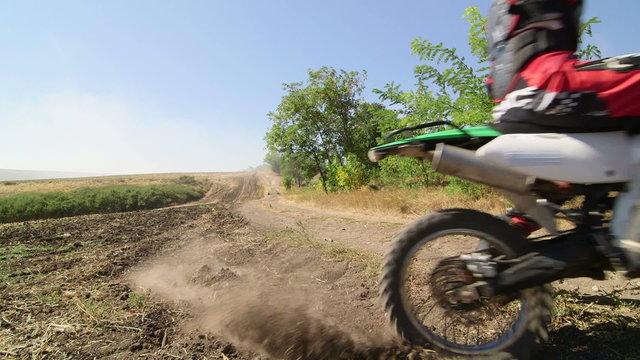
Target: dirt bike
{"x":474,"y":284}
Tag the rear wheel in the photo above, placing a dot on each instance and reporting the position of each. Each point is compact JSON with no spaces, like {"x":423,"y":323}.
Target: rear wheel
{"x":423,"y":270}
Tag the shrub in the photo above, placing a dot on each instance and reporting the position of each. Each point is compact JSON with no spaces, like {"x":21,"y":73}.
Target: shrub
{"x":404,"y":172}
{"x":187,"y":180}
{"x":94,"y":200}
{"x":458,"y":186}
{"x":348,"y":176}
{"x":287,"y":181}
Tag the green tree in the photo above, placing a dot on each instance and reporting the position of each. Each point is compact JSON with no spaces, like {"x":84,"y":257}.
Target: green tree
{"x":448,"y":86}
{"x":588,"y":51}
{"x":323,"y":120}
{"x":297,"y":127}
{"x":274,"y":160}
{"x":298,"y":168}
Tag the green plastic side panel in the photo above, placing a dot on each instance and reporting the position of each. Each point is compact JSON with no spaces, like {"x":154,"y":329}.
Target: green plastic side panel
{"x":476,"y":131}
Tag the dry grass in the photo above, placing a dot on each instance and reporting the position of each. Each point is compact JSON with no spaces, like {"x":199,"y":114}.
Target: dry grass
{"x":404,"y":203}
{"x":602,"y":326}
{"x":8,"y":188}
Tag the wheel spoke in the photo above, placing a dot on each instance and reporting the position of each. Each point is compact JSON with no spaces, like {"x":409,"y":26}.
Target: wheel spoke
{"x":428,"y":312}
{"x":446,"y":325}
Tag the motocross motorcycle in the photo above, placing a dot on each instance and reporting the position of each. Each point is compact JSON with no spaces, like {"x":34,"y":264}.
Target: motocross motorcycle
{"x":474,"y":284}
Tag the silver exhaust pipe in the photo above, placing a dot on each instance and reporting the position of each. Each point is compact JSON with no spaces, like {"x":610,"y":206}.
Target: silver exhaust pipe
{"x":462,"y":163}
{"x":410,"y":150}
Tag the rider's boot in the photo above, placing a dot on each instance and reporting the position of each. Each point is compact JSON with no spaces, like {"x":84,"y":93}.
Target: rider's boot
{"x":630,"y":256}
{"x":626,"y":235}
{"x":625,"y":225}
{"x":625,"y":251}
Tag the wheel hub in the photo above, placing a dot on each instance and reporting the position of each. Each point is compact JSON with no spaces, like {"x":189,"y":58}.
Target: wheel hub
{"x":450,"y":282}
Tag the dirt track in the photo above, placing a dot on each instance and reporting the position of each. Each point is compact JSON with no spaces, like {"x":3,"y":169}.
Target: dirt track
{"x":238,"y":275}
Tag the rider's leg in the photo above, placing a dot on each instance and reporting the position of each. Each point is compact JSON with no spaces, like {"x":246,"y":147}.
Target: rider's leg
{"x":625,"y":225}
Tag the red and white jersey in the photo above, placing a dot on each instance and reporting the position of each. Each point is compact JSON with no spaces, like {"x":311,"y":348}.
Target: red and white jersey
{"x":557,"y":93}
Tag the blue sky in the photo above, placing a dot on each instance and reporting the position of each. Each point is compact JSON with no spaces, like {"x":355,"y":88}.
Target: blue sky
{"x":118,"y":87}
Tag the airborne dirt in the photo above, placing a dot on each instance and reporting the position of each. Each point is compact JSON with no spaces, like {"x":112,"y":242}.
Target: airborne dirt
{"x":240,"y":274}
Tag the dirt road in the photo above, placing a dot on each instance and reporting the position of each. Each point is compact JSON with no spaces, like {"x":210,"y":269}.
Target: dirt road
{"x":241,"y":274}
{"x":373,"y":235}
{"x":333,"y":295}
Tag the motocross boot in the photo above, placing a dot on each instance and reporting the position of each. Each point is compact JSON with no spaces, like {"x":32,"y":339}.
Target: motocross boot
{"x":625,"y":229}
{"x":630,"y":254}
{"x":625,"y":225}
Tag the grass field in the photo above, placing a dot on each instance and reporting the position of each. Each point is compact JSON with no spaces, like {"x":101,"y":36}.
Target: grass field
{"x":42,"y":199}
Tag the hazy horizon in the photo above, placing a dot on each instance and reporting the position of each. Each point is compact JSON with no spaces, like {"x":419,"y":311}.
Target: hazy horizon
{"x":19,"y":175}
{"x":26,"y":175}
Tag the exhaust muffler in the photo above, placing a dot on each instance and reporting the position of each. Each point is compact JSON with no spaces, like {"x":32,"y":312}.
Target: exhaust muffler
{"x":464,"y":164}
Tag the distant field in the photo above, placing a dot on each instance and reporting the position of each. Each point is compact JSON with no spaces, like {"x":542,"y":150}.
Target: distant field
{"x":8,"y":188}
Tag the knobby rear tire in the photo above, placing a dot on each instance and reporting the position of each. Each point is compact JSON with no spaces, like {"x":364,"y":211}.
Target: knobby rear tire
{"x":538,"y":302}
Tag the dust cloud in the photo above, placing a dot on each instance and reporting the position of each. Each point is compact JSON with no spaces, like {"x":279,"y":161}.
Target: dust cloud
{"x":258,"y":307}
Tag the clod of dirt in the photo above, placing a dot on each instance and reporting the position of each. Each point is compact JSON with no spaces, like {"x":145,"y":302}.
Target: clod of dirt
{"x":206,"y":277}
{"x":157,"y":328}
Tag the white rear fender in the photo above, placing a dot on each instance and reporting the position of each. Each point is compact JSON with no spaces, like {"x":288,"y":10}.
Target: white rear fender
{"x":588,"y":158}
